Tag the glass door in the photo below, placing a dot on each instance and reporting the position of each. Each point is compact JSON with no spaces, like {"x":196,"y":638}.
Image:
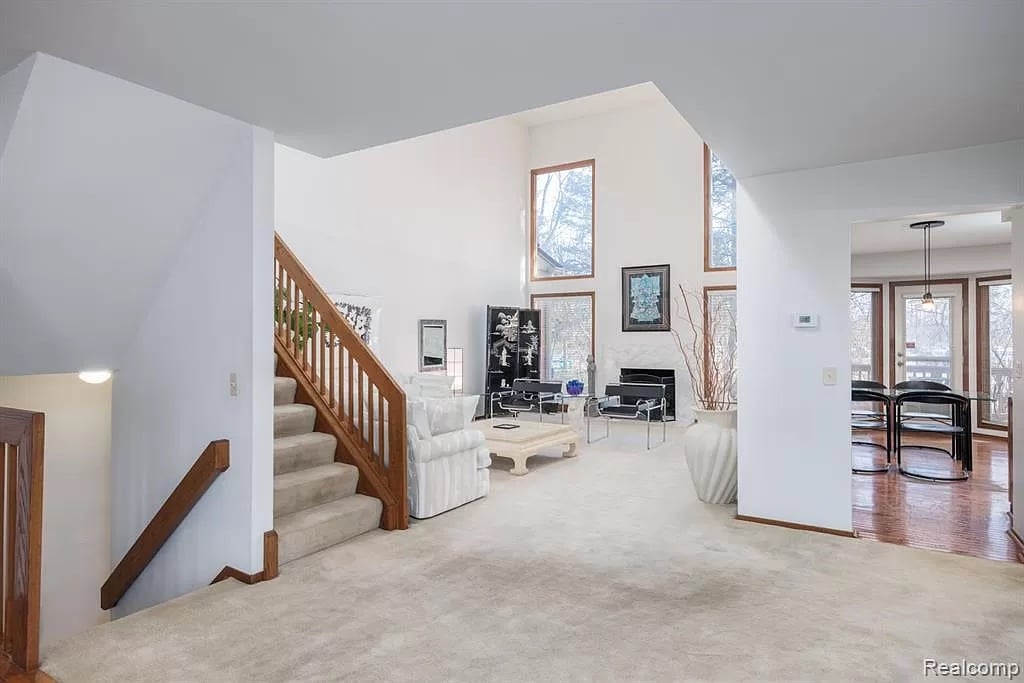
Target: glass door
{"x":929,"y":342}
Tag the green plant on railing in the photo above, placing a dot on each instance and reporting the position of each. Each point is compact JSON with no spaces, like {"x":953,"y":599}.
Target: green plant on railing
{"x":300,"y":321}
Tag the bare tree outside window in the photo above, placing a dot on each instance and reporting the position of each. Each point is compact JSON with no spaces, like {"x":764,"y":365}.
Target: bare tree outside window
{"x":721,"y":321}
{"x":929,"y":354}
{"x":563,"y":221}
{"x":862,"y":335}
{"x":996,"y":345}
{"x":567,"y":322}
{"x":721,"y":218}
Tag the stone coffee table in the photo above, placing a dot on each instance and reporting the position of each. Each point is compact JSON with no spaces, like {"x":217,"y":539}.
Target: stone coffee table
{"x":526,"y":440}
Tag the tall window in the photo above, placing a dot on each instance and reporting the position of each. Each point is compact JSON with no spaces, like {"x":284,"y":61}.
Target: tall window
{"x":995,"y":349}
{"x":562,"y":221}
{"x":719,"y":214}
{"x":453,"y":365}
{"x":720,"y":327}
{"x":567,"y":324}
{"x":866,"y":332}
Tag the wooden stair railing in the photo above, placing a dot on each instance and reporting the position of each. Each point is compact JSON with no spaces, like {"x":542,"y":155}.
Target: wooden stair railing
{"x":21,"y":523}
{"x":214,"y":460}
{"x":355,"y":397}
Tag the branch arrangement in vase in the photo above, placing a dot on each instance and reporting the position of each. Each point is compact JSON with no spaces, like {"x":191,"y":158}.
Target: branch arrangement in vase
{"x":710,"y":360}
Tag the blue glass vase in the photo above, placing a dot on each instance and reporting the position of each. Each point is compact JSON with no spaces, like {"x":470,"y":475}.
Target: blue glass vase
{"x":574,"y":387}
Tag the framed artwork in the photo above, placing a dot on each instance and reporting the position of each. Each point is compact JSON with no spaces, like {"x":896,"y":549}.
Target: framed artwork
{"x":646,"y":304}
{"x":363,"y":313}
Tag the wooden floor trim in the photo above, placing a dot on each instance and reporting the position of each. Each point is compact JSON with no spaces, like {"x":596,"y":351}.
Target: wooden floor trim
{"x":270,"y":566}
{"x":12,"y":673}
{"x":794,"y":525}
{"x":1018,"y":541}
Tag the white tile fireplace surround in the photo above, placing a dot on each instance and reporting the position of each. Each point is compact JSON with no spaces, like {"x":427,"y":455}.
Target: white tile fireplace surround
{"x":664,"y":355}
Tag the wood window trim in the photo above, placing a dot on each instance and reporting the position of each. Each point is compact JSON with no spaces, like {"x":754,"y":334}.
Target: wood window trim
{"x":877,"y":334}
{"x":707,"y":291}
{"x":593,"y":315}
{"x":965,"y":326}
{"x":981,"y":348}
{"x":592,"y":163}
{"x":708,"y":268}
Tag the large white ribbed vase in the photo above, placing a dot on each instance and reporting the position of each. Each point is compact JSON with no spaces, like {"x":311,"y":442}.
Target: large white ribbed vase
{"x":710,"y":447}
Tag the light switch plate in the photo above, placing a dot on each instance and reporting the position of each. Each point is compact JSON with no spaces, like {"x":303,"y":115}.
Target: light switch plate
{"x":828,"y":376}
{"x":233,"y":384}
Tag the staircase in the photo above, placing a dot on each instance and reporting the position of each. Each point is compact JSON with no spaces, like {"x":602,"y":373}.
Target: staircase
{"x":340,"y":461}
{"x":315,"y":500}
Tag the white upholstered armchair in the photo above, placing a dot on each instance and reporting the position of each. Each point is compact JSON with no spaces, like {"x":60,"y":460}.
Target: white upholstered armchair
{"x":448,"y":460}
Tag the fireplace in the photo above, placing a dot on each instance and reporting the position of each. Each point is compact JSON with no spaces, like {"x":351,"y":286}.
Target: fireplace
{"x":654,"y":376}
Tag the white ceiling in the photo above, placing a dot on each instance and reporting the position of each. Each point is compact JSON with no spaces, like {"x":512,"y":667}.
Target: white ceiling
{"x":961,"y":230}
{"x":772,"y":85}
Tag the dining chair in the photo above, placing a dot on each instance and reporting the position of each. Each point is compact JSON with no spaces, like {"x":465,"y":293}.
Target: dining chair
{"x":871,"y":419}
{"x":956,"y":426}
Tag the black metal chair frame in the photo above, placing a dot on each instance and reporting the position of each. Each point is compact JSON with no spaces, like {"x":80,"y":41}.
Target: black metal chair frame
{"x":874,"y":392}
{"x":649,"y":398}
{"x":527,"y":396}
{"x":958,"y":427}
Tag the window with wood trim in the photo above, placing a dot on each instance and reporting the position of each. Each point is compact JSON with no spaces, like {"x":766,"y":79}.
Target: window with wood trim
{"x":720,"y":333}
{"x":719,"y":214}
{"x":562,"y":221}
{"x":866,"y":332}
{"x":567,"y":334}
{"x":995,"y":349}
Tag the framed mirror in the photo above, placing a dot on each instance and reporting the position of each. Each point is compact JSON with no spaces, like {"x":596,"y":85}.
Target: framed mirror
{"x":433,"y":345}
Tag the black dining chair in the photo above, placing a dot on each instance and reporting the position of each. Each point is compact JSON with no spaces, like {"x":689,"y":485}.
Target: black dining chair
{"x":871,"y":419}
{"x":957,"y":426}
{"x":924,"y":385}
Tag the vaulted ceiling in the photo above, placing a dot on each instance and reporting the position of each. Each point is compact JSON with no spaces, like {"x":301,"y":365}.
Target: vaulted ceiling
{"x":773,"y":86}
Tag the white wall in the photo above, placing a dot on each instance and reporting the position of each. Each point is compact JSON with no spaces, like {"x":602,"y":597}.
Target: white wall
{"x":649,"y":210}
{"x":171,"y":396}
{"x":138,"y":236}
{"x":76,"y":497}
{"x":908,"y":265}
{"x":1016,"y":218}
{"x":101,"y":182}
{"x":794,"y":247}
{"x":433,"y":225}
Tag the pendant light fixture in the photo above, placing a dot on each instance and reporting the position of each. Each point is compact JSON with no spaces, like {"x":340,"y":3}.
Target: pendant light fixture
{"x":927,"y":302}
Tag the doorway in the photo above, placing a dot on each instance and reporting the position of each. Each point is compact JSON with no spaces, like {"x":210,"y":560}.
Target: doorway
{"x":962,"y":340}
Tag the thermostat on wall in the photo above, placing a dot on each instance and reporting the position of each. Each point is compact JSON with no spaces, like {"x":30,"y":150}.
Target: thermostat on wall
{"x":805,"y":320}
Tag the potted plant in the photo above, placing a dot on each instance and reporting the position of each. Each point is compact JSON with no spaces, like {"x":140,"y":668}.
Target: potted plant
{"x":707,"y":344}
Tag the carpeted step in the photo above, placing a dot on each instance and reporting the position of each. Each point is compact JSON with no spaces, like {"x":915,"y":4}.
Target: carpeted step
{"x":308,"y":531}
{"x":284,"y":391}
{"x":314,"y":486}
{"x":300,"y":451}
{"x":292,"y":419}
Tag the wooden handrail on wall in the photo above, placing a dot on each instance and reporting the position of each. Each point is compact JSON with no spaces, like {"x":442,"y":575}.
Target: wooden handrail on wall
{"x":355,"y":397}
{"x":21,"y":522}
{"x":214,"y":460}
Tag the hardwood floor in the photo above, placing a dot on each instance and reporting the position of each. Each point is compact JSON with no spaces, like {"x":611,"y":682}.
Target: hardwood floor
{"x":967,"y":517}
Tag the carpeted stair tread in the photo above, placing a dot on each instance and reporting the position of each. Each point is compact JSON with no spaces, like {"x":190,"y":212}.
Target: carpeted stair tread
{"x":292,"y":419}
{"x":313,"y":486}
{"x":301,"y":451}
{"x":308,"y":531}
{"x":284,"y":391}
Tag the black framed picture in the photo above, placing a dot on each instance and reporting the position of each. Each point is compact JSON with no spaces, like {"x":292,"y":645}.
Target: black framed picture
{"x":646,"y":304}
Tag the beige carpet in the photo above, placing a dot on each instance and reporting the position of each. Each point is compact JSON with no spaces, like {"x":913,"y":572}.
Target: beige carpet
{"x":601,"y":568}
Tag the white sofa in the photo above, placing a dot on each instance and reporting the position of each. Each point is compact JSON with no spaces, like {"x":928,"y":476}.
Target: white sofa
{"x":448,"y":460}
